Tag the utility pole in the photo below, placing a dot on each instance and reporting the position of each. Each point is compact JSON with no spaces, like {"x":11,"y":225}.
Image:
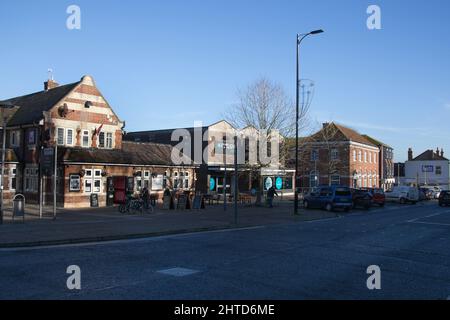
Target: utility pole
{"x":3,"y":164}
{"x":225,"y":176}
{"x":55,"y":176}
{"x":299,"y":40}
{"x":235,"y":180}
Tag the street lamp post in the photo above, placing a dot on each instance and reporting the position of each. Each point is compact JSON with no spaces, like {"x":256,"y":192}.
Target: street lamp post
{"x":300,"y":38}
{"x":3,"y":106}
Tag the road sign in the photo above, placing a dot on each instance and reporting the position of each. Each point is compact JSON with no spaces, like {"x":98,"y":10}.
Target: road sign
{"x":48,"y":158}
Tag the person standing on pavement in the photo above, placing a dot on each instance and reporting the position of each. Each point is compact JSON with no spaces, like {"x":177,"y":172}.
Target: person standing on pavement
{"x":271,"y":193}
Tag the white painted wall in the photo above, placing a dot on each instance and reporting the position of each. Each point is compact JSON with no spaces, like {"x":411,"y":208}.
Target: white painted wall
{"x":413,"y":171}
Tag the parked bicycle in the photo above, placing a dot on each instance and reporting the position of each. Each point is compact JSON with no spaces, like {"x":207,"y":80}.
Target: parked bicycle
{"x":133,"y":206}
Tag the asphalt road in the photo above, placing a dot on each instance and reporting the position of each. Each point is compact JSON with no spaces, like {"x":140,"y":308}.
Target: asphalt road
{"x":325,"y":259}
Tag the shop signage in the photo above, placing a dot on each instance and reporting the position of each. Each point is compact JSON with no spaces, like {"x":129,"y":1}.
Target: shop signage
{"x":268,"y":183}
{"x":279,"y":183}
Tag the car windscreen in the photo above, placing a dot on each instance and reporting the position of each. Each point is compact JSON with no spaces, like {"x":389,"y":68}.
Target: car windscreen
{"x":343,"y":192}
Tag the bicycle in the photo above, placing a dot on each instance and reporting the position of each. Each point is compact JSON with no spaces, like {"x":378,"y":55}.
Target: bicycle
{"x":135,"y":205}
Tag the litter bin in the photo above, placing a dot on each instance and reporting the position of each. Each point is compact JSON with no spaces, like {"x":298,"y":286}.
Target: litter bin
{"x":19,"y":206}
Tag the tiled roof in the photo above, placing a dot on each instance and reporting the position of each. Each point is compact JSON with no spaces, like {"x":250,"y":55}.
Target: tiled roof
{"x":429,"y":155}
{"x":337,"y":132}
{"x":354,"y":136}
{"x":132,"y":153}
{"x":31,"y":106}
{"x":375,"y":141}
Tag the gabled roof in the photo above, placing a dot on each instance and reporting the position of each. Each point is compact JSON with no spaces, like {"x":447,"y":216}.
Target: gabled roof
{"x":430,"y":155}
{"x":31,"y":106}
{"x":337,"y":132}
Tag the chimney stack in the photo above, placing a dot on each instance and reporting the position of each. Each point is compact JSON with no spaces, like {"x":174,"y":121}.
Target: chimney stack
{"x":410,"y":154}
{"x":442,"y":152}
{"x":50,"y":84}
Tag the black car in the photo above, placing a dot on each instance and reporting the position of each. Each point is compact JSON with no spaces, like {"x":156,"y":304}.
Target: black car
{"x":444,"y":198}
{"x":361,"y":199}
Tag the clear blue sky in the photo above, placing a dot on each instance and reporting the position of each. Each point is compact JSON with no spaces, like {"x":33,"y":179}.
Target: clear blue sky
{"x":164,"y":64}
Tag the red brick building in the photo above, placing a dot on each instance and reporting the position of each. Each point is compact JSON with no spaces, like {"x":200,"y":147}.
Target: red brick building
{"x":92,"y":159}
{"x":337,"y":155}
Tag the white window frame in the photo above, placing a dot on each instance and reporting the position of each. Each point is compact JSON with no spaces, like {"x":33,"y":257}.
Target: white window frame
{"x":354,"y":156}
{"x":71,"y":143}
{"x":63,"y":138}
{"x":333,"y":178}
{"x":108,"y":140}
{"x":91,"y":178}
{"x":12,"y":175}
{"x":14,"y":138}
{"x":85,"y":134}
{"x":104,"y":140}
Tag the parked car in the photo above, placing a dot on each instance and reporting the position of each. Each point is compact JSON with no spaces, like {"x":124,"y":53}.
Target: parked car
{"x":403,"y":194}
{"x":426,"y":194}
{"x":361,"y":198}
{"x":329,"y":198}
{"x":378,"y":196}
{"x":444,"y":198}
{"x":436,"y":192}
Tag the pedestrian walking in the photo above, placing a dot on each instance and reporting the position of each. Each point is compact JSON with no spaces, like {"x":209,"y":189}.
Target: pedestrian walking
{"x":271,"y":193}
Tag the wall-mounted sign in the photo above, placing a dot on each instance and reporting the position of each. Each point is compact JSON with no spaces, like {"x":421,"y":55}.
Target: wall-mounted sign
{"x":48,"y":156}
{"x":279,"y":183}
{"x":427,"y":168}
{"x":268,"y":183}
{"x":158,"y":182}
{"x":74,"y":183}
{"x":212,"y":184}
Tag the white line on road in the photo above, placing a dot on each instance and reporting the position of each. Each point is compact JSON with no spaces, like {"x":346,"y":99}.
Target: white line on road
{"x":429,"y":216}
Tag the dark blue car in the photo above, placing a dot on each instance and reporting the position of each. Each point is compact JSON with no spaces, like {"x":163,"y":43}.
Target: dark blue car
{"x":329,"y":198}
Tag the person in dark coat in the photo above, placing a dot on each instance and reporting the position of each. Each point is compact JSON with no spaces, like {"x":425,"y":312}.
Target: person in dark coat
{"x":271,"y":193}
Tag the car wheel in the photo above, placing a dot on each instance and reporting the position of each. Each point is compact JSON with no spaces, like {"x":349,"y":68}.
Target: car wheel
{"x":329,"y":207}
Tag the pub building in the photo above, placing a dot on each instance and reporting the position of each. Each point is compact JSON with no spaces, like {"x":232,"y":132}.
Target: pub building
{"x":91,"y":156}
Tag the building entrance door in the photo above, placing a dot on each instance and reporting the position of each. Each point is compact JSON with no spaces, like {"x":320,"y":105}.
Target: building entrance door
{"x":120,"y":189}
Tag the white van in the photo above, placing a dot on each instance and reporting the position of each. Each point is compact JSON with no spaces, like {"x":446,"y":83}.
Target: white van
{"x":403,"y":194}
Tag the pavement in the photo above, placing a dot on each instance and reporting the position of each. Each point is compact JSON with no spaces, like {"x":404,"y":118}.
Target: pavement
{"x":102,"y":224}
{"x":321,"y":259}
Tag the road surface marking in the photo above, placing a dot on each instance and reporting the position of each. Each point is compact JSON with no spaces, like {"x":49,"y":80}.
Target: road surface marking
{"x":178,"y":272}
{"x":429,"y":216}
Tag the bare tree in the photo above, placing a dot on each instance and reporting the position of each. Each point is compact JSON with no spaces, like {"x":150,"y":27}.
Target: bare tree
{"x":265,"y":106}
